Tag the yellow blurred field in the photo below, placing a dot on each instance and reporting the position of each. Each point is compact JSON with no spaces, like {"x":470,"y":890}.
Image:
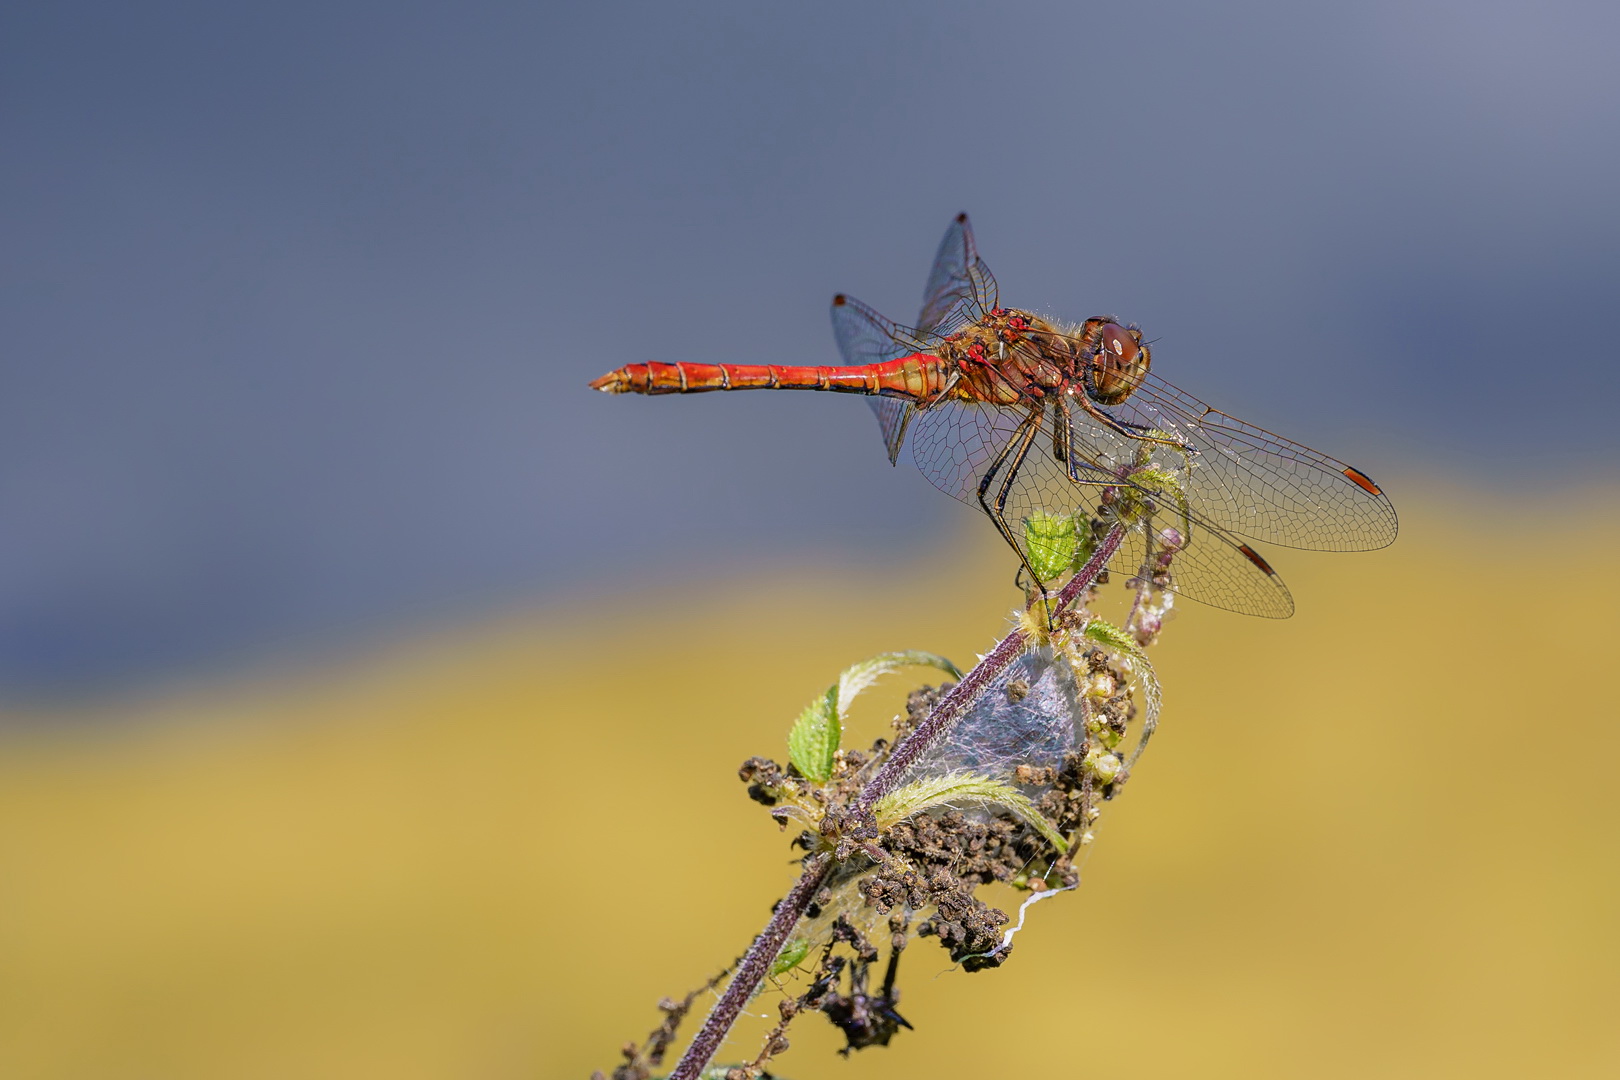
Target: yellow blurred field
{"x":1378,"y":840}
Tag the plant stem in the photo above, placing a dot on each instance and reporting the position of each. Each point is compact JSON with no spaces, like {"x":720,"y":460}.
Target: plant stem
{"x":1094,"y":566}
{"x":965,"y":693}
{"x":756,"y":962}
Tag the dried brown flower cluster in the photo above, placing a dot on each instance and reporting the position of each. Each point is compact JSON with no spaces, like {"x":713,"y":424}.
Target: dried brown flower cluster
{"x":990,"y":782}
{"x":995,"y":781}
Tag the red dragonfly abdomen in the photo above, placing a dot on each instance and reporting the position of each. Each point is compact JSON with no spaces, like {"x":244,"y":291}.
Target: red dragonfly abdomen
{"x":917,"y":377}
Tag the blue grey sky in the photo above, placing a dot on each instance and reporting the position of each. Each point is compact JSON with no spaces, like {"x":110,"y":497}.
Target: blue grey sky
{"x":298,"y":302}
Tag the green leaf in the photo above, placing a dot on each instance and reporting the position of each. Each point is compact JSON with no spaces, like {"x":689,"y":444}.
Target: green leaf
{"x":816,"y":735}
{"x":859,"y":677}
{"x":1084,"y":545}
{"x":1108,"y":636}
{"x":791,"y":955}
{"x":964,"y":787}
{"x":1049,"y":541}
{"x":1160,"y":480}
{"x":814,"y":740}
{"x":1166,"y":483}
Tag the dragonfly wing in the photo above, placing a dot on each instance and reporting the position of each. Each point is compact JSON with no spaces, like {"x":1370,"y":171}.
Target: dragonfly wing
{"x":1004,"y":461}
{"x":893,"y":416}
{"x":1245,"y":480}
{"x":1210,"y":567}
{"x":865,"y":337}
{"x":958,"y":444}
{"x":954,"y":443}
{"x":960,"y":286}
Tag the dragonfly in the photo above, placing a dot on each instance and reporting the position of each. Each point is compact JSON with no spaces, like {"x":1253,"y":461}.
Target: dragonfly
{"x":1046,"y":425}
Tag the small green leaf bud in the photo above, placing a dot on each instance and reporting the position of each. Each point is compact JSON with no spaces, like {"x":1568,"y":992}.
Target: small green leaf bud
{"x":1050,"y":541}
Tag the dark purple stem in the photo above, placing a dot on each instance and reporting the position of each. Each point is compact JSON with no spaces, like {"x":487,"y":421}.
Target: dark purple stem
{"x":954,"y":704}
{"x":1094,"y":566}
{"x":756,"y":963}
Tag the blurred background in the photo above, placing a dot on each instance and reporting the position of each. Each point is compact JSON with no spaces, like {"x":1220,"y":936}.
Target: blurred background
{"x":370,"y":690}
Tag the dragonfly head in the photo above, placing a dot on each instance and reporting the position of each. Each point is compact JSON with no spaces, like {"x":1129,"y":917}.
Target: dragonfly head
{"x":1116,"y":360}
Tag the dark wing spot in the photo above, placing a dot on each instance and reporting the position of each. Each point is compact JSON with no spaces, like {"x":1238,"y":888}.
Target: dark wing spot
{"x":1255,"y":558}
{"x":1362,"y":480}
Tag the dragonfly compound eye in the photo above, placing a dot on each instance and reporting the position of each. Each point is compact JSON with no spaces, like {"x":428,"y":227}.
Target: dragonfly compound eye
{"x":1118,"y":363}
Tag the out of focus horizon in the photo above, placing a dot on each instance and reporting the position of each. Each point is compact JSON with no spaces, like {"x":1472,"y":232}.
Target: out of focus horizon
{"x":302,"y":301}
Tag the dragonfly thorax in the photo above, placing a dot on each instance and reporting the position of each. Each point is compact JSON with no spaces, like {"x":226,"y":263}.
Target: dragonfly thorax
{"x":1009,"y":356}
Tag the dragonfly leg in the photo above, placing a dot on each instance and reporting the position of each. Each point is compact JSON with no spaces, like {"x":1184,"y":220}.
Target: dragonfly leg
{"x":1063,"y":448}
{"x":1006,"y":466}
{"x":1139,"y":432}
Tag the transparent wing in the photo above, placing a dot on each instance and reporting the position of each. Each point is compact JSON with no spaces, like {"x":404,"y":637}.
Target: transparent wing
{"x":1245,"y":480}
{"x":865,"y":337}
{"x":893,"y":417}
{"x":1211,"y":567}
{"x":960,"y":287}
{"x":955,"y":443}
{"x":958,"y":444}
